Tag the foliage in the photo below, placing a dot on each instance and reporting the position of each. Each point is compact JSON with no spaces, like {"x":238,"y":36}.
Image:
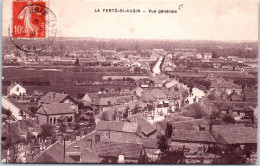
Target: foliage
{"x":7,"y":112}
{"x":77,"y":120}
{"x":33,"y":109}
{"x":215,"y":114}
{"x":168,"y":130}
{"x":77,"y":62}
{"x":137,"y":69}
{"x":194,"y":110}
{"x":229,"y":159}
{"x":174,"y":157}
{"x":62,"y":128}
{"x":14,"y":154}
{"x":136,"y":109}
{"x":228,"y":119}
{"x":104,"y":116}
{"x":163,"y":143}
{"x":150,"y":107}
{"x":47,"y":130}
{"x":114,"y":115}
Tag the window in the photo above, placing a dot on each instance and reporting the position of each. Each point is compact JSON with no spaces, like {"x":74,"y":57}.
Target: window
{"x":50,"y":120}
{"x":54,"y":120}
{"x":17,"y":89}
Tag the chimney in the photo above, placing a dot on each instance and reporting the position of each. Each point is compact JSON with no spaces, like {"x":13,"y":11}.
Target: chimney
{"x":54,"y":94}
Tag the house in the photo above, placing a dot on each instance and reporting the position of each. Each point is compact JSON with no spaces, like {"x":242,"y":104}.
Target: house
{"x":207,"y":55}
{"x":53,"y":154}
{"x":151,"y":149}
{"x":16,"y":89}
{"x":17,"y":112}
{"x":236,"y":135}
{"x":147,"y":97}
{"x":244,"y":112}
{"x":145,"y":66}
{"x":138,"y":91}
{"x":148,"y":130}
{"x":191,"y":140}
{"x":123,"y":132}
{"x":50,"y":113}
{"x":199,"y":56}
{"x":86,"y":98}
{"x":235,"y":97}
{"x":158,"y":94}
{"x":83,"y":150}
{"x":249,"y":95}
{"x":216,"y":65}
{"x":227,"y":86}
{"x":54,"y":97}
{"x":228,"y":66}
{"x":115,"y":152}
{"x":181,"y":122}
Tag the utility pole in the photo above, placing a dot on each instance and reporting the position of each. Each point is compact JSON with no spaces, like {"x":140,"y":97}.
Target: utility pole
{"x":64,"y":148}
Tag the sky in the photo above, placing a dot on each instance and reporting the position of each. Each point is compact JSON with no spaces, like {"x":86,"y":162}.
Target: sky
{"x":196,"y":20}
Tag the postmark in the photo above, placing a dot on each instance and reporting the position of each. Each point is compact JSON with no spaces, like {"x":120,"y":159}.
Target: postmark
{"x":33,"y":26}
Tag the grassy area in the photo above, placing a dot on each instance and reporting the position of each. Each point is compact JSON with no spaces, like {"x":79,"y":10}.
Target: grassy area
{"x":59,"y":81}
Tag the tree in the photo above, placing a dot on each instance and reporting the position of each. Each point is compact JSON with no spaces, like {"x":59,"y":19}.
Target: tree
{"x":77,"y":62}
{"x":62,"y":128}
{"x":228,"y":119}
{"x":174,"y":157}
{"x":163,"y":143}
{"x":168,"y":130}
{"x":14,"y":154}
{"x":33,"y":109}
{"x":136,"y":109}
{"x":47,"y":130}
{"x":104,"y":116}
{"x":114,"y":115}
{"x":215,"y":114}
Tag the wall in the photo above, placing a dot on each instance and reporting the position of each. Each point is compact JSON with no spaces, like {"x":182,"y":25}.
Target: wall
{"x":14,"y":90}
{"x":194,"y":147}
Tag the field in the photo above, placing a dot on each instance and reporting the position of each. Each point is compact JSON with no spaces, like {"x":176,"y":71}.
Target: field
{"x":59,"y":80}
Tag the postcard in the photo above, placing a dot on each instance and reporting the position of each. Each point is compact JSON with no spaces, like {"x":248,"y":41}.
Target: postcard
{"x":129,"y":82}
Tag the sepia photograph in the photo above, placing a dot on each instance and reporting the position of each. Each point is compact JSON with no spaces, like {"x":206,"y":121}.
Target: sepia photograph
{"x":129,"y":82}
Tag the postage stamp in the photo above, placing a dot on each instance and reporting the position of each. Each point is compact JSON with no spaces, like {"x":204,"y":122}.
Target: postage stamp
{"x":29,"y":19}
{"x":33,"y":26}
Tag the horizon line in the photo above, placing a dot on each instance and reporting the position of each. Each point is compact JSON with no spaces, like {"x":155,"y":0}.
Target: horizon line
{"x":216,"y":40}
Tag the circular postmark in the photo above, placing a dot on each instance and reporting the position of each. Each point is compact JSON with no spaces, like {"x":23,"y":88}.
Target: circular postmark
{"x":34,"y":29}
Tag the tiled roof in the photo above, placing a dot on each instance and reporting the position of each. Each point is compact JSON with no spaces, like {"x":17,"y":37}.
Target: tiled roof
{"x":87,"y":154}
{"x":147,"y":97}
{"x":159,"y":94}
{"x":150,"y":143}
{"x":119,"y":126}
{"x":53,"y":97}
{"x":53,"y":154}
{"x":234,"y":134}
{"x":192,"y":136}
{"x":57,"y":108}
{"x":147,"y":127}
{"x":112,"y":149}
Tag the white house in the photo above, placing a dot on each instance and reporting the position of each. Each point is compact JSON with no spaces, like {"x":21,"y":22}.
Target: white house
{"x":16,"y":89}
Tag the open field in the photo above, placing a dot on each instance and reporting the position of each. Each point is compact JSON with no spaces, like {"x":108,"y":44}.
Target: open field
{"x":59,"y":80}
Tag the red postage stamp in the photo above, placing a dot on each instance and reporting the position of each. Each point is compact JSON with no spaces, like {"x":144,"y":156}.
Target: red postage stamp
{"x":29,"y":19}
